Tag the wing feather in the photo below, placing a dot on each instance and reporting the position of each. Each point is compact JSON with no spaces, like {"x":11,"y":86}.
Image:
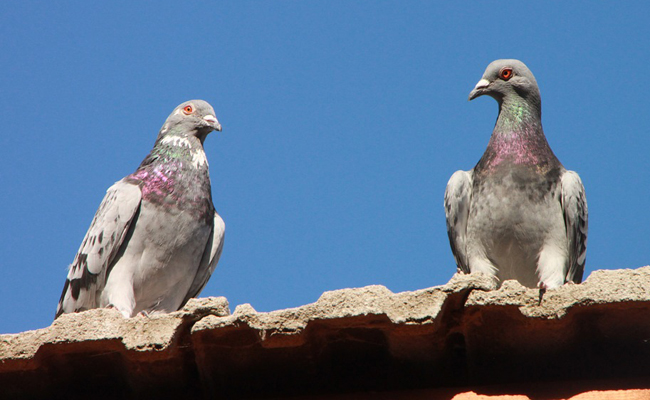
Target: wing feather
{"x":574,"y":207}
{"x":458,"y":196}
{"x":87,"y":273}
{"x":210,"y":258}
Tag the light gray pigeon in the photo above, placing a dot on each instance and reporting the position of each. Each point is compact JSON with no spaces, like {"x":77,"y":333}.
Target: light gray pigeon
{"x":156,"y":237}
{"x":519,"y":214}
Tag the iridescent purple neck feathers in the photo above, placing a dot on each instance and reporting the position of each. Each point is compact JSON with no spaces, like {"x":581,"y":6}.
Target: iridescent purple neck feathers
{"x":175,"y":176}
{"x":518,"y":137}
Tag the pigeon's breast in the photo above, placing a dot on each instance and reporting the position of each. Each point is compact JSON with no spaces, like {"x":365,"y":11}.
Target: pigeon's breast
{"x":163,"y":257}
{"x":513,"y":212}
{"x":168,"y":237}
{"x":178,"y":188}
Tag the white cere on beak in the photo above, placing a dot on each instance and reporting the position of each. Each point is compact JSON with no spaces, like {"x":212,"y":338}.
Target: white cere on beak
{"x":483,"y":83}
{"x":211,"y":119}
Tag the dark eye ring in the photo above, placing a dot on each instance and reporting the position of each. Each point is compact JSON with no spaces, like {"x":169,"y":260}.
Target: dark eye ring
{"x":505,"y":73}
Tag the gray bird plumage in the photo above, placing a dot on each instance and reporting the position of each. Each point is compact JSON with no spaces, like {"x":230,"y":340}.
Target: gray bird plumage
{"x":156,"y":237}
{"x":519,"y":214}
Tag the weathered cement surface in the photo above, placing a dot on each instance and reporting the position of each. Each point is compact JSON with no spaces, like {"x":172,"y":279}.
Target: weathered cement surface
{"x":366,"y":342}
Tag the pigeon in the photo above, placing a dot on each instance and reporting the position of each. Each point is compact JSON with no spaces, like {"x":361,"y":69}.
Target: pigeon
{"x":156,"y":237}
{"x":519,"y":214}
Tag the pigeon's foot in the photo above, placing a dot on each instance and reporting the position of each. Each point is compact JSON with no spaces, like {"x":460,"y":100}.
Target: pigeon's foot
{"x":542,"y":290}
{"x":124,"y":313}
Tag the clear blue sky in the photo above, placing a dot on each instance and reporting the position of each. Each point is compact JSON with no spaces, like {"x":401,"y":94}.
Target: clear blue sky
{"x":342,"y":122}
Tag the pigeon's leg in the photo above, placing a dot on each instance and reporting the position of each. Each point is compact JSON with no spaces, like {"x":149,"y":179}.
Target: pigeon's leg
{"x":542,"y":290}
{"x":551,"y":264}
{"x":119,"y":297}
{"x":482,"y":264}
{"x":550,"y":267}
{"x":112,"y":307}
{"x":118,"y":291}
{"x":126,"y":311}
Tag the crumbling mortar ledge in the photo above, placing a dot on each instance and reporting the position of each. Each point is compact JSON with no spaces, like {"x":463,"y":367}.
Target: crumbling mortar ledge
{"x":466,"y":333}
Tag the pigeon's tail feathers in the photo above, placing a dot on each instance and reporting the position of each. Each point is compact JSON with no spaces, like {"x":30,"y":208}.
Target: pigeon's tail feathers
{"x":87,"y":273}
{"x":574,"y":207}
{"x":457,"y":203}
{"x":210,"y":258}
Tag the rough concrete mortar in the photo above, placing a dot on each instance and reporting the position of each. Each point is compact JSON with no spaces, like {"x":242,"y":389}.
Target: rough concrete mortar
{"x":466,"y":333}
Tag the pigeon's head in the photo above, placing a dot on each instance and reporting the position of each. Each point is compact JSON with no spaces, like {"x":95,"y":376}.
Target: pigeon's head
{"x":194,"y":117}
{"x":504,"y":79}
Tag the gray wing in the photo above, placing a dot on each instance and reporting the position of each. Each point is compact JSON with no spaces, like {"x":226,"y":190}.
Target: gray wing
{"x":574,"y":207}
{"x":457,"y":203}
{"x":105,"y":237}
{"x":210,"y":258}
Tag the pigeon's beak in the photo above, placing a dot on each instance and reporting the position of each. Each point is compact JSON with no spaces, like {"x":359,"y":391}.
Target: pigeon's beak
{"x":212,"y":121}
{"x":479,"y":89}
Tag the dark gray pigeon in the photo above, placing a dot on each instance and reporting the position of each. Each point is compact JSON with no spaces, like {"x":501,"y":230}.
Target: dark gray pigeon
{"x":156,"y":238}
{"x":519,"y":214}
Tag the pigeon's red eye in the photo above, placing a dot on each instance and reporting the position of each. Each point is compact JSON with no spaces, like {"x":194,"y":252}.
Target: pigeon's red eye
{"x":505,"y":73}
{"x":188,"y":109}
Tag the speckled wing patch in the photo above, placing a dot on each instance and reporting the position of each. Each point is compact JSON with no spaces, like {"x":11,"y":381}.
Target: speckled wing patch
{"x":87,"y":273}
{"x":574,"y":207}
{"x":457,"y":203}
